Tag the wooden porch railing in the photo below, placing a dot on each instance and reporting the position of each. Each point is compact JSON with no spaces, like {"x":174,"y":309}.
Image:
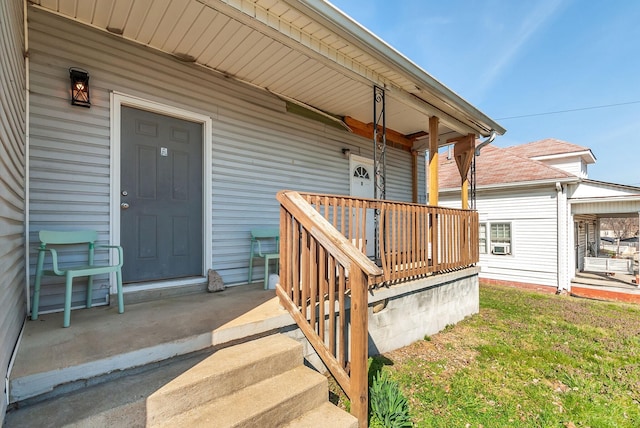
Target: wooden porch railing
{"x":415,"y":240}
{"x":325,"y":273}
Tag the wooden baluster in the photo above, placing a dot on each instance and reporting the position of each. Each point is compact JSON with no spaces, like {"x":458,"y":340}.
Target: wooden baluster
{"x":405,"y":239}
{"x":363,"y":243}
{"x":384,"y":240}
{"x":327,"y":213}
{"x":433,"y":236}
{"x":358,"y":224}
{"x":322,"y":279}
{"x":342,"y":339}
{"x":447,"y":243}
{"x":304,"y":269}
{"x":297,"y":268}
{"x":332,"y":305}
{"x":343,"y":226}
{"x":424,"y":241}
{"x":351,"y":215}
{"x":285,"y":251}
{"x":313,"y":281}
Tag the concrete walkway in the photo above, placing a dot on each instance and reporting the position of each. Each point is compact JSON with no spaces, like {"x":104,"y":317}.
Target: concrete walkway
{"x":101,"y":341}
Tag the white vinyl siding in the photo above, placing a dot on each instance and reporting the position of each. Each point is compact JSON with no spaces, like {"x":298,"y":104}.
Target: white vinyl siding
{"x":532,"y":216}
{"x":573,"y":165}
{"x":12,"y":182}
{"x":258,"y":148}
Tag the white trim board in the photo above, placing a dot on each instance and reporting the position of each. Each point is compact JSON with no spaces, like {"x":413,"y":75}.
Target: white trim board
{"x":118,"y":100}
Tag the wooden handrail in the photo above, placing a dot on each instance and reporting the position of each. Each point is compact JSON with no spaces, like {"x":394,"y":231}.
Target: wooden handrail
{"x":319,"y":270}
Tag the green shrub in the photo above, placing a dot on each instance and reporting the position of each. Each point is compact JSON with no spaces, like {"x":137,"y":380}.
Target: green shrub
{"x":375,"y":422}
{"x":388,"y":406}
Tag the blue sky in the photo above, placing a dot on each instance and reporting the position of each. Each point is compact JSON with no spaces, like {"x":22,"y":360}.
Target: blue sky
{"x":514,"y":58}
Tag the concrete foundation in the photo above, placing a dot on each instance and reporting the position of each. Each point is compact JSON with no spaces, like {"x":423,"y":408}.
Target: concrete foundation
{"x":404,"y":313}
{"x":400,"y":315}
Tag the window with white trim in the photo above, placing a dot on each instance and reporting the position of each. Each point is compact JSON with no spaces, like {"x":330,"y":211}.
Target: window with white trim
{"x":500,"y":237}
{"x":482,"y":238}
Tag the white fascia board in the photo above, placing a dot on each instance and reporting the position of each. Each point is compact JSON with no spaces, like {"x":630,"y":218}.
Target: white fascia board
{"x":607,"y":184}
{"x":586,"y":155}
{"x":536,"y":183}
{"x":594,"y":200}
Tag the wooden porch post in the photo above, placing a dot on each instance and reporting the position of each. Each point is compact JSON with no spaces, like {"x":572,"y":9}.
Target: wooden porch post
{"x":465,"y":194}
{"x":414,"y":176}
{"x":433,"y":161}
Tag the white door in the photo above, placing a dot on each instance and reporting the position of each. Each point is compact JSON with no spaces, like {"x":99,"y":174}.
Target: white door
{"x":362,"y":186}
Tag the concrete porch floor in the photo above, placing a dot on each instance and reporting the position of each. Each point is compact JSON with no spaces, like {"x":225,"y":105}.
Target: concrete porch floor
{"x":101,"y":341}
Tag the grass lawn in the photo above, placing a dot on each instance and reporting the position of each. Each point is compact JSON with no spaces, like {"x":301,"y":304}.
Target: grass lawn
{"x":526,"y":360}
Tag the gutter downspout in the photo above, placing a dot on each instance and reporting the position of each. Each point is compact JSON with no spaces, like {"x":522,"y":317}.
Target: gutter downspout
{"x":26,"y":153}
{"x":636,"y":273}
{"x":561,"y":239}
{"x":476,"y":152}
{"x":489,"y":140}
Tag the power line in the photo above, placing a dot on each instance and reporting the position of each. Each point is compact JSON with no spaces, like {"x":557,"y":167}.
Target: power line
{"x":569,"y":110}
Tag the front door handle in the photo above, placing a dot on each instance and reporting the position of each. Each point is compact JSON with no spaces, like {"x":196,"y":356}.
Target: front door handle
{"x":124,"y":205}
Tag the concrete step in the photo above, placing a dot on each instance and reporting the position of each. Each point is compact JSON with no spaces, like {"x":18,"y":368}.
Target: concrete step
{"x":52,"y":360}
{"x":120,"y":402}
{"x":224,"y":372}
{"x":325,"y":415}
{"x":286,"y":393}
{"x":270,"y":403}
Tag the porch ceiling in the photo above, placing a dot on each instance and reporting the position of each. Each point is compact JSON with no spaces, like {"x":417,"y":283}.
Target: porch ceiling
{"x":305,"y":50}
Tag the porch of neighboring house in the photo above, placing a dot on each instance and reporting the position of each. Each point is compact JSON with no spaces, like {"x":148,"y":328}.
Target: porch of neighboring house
{"x":598,"y":275}
{"x":620,"y":287}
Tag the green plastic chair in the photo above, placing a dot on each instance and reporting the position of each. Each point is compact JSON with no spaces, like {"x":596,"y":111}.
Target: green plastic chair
{"x":257,"y":237}
{"x":49,"y":240}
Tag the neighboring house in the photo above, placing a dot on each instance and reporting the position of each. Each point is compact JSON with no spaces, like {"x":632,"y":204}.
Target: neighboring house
{"x":539,"y":212}
{"x":624,"y":247}
{"x":210,"y":108}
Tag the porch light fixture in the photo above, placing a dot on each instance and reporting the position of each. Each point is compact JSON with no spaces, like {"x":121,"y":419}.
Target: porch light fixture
{"x":79,"y":87}
{"x":346,"y":152}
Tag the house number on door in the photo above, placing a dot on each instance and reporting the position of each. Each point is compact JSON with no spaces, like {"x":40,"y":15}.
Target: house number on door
{"x":164,"y":151}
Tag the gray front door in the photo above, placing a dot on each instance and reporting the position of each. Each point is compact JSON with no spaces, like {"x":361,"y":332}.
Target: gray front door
{"x":161,"y":196}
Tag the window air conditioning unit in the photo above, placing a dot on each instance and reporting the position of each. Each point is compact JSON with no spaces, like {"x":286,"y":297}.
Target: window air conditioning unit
{"x":501,"y":249}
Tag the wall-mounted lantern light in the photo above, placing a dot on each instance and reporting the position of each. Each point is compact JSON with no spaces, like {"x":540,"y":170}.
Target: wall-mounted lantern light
{"x":79,"y":87}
